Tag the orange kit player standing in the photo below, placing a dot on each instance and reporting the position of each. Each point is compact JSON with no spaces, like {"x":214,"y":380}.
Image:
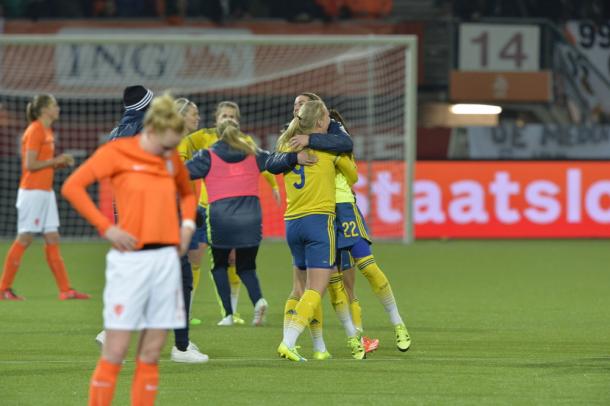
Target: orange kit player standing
{"x":36,"y":204}
{"x":143,"y":289}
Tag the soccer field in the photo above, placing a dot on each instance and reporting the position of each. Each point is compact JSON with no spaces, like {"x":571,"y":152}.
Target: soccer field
{"x":492,"y":322}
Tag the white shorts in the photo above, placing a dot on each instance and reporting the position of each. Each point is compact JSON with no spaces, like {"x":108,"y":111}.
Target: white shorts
{"x":36,"y":211}
{"x":143,"y":290}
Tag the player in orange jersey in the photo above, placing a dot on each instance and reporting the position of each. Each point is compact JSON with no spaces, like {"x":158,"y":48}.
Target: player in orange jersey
{"x":36,"y":204}
{"x":143,"y":288}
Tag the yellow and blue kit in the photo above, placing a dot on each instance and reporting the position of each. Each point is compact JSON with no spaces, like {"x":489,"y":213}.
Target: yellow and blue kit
{"x":310,"y":213}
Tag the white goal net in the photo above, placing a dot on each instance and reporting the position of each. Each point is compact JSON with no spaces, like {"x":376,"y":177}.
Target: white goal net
{"x":370,"y":80}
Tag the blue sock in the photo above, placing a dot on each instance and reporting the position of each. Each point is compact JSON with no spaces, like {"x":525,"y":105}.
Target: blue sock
{"x":250,"y":279}
{"x":221,"y":279}
{"x":181,"y":335}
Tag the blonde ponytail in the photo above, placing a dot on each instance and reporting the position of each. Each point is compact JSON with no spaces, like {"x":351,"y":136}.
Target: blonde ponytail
{"x":229,"y":132}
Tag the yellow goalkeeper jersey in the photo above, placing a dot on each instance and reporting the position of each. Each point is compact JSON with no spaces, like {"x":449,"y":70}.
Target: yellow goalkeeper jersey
{"x":204,"y":139}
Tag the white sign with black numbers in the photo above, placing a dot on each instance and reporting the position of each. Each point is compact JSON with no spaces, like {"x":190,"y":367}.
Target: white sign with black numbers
{"x":499,"y":47}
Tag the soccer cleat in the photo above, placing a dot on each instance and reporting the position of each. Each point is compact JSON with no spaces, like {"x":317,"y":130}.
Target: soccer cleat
{"x":100,"y":338}
{"x":73,"y":294}
{"x":9,"y":294}
{"x":403,"y":340}
{"x":369,"y":344}
{"x":195,"y":322}
{"x":192,"y":355}
{"x":227,"y":321}
{"x":321,"y":356}
{"x":355,"y":345}
{"x":289,"y":353}
{"x":237,"y":319}
{"x":259,"y":312}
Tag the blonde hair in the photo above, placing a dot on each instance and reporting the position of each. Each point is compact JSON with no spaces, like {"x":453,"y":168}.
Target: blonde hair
{"x":304,"y":123}
{"x":310,"y":96}
{"x":182,"y":104}
{"x":163,"y":115}
{"x":229,"y":132}
{"x":229,"y":104}
{"x":34,"y":108}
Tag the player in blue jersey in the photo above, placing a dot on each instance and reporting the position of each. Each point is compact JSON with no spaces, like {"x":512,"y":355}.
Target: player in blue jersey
{"x":353,"y":240}
{"x":310,"y":228}
{"x":231,"y":168}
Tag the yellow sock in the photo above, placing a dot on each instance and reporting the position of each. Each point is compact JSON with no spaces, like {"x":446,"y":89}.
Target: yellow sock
{"x":304,"y":311}
{"x":316,"y":328}
{"x":340,"y":302}
{"x":289,"y":307}
{"x":196,"y":275}
{"x":356,"y":311}
{"x":380,"y":285}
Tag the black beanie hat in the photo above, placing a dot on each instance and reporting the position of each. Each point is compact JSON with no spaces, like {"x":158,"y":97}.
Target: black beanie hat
{"x":136,"y":97}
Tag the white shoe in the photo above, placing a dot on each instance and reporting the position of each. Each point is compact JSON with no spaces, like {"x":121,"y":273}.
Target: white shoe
{"x":260,"y":308}
{"x":227,"y":321}
{"x":100,"y":338}
{"x":191,"y":355}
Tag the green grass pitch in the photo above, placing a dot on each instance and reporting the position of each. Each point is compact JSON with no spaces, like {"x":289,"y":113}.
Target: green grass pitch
{"x":492,"y":322}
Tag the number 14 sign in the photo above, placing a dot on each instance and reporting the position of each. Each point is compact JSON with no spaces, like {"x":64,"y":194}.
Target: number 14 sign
{"x":499,"y":47}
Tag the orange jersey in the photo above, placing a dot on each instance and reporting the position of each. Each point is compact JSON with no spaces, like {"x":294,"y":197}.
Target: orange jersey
{"x":39,"y":139}
{"x":144,"y":186}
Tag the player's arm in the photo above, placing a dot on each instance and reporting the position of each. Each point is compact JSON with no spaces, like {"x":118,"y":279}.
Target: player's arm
{"x":32,"y":149}
{"x":336,"y":140}
{"x":199,"y":166}
{"x":74,"y":189}
{"x":281,"y":162}
{"x":188,"y":206}
{"x":346,"y":165}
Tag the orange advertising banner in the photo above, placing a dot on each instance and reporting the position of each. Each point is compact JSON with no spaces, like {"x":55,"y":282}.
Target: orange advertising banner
{"x":473,"y":200}
{"x":501,"y":86}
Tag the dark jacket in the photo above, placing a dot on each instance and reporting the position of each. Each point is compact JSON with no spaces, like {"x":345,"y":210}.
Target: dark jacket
{"x":129,"y":125}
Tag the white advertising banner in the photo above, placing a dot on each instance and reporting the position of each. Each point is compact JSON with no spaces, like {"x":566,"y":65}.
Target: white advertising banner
{"x":537,"y":141}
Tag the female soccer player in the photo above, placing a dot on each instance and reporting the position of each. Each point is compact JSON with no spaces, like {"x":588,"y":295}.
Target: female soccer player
{"x":143,"y":290}
{"x":36,"y":205}
{"x":204,"y":139}
{"x":352,"y":236}
{"x":310,"y":231}
{"x":230,"y":169}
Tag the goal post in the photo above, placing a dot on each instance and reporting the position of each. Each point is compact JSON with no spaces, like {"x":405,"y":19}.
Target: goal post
{"x":371,"y":80}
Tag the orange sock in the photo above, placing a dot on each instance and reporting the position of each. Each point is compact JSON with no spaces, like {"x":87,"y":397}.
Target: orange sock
{"x":103,"y":381}
{"x":144,"y":386}
{"x":11,"y":265}
{"x":56,"y":263}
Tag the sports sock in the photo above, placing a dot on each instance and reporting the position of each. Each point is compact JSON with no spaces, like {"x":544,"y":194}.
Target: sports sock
{"x":235,"y":283}
{"x":196,"y":268}
{"x":316,"y":329}
{"x":181,"y":335}
{"x":249,"y":278}
{"x":303,"y":313}
{"x":291,"y":303}
{"x":222,"y":289}
{"x":380,"y":285}
{"x":103,"y":382}
{"x":356,"y":311}
{"x":56,"y":263}
{"x":11,"y":264}
{"x":340,"y":302}
{"x":145,"y":383}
